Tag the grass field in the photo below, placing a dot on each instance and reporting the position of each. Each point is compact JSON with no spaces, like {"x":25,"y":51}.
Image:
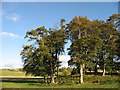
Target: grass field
{"x":91,"y":81}
{"x":16,"y":73}
{"x":40,"y":85}
{"x":6,"y":72}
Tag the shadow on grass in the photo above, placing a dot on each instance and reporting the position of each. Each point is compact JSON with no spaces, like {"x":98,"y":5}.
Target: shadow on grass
{"x":100,"y":73}
{"x":69,"y":80}
{"x":23,"y":80}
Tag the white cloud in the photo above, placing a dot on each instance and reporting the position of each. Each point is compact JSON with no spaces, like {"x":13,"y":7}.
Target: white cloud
{"x":14,"y":17}
{"x":64,"y":58}
{"x":8,"y":34}
{"x":11,"y":65}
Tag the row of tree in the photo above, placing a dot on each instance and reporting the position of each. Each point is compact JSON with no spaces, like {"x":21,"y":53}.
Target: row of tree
{"x":93,"y":43}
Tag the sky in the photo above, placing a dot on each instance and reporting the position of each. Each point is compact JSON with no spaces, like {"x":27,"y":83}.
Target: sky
{"x":20,"y":17}
{"x":59,"y":0}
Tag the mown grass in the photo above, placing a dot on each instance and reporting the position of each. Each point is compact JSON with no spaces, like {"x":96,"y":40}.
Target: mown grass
{"x":41,"y":85}
{"x":90,"y":81}
{"x":6,"y":72}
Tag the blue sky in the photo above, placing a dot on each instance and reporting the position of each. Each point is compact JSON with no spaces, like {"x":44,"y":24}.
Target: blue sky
{"x":19,"y":17}
{"x":59,"y":0}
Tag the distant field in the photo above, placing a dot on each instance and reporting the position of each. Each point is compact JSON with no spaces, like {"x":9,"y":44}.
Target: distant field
{"x":15,"y":73}
{"x":6,"y":72}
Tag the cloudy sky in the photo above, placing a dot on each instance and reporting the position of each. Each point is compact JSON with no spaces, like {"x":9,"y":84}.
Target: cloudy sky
{"x":19,"y":17}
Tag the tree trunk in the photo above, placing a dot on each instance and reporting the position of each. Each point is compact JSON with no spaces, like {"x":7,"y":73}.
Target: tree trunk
{"x":53,"y":77}
{"x":81,"y":74}
{"x":45,"y":79}
{"x":103,"y":71}
{"x":96,"y":69}
{"x":104,"y":58}
{"x":57,"y":68}
{"x":57,"y":60}
{"x":57,"y":72}
{"x":96,"y":63}
{"x":53,"y":80}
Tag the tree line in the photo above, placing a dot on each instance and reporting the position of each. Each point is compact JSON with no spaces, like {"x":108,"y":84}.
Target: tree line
{"x":94,"y":43}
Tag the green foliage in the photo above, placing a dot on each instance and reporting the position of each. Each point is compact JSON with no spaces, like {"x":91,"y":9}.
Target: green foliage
{"x":115,"y":21}
{"x":65,"y":71}
{"x":41,"y":57}
{"x":94,"y":43}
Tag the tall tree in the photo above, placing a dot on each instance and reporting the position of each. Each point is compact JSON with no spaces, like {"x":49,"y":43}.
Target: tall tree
{"x":83,"y":42}
{"x":56,"y":42}
{"x":42,"y":55}
{"x":35,"y":56}
{"x":109,"y":36}
{"x":115,"y":21}
{"x":89,"y":40}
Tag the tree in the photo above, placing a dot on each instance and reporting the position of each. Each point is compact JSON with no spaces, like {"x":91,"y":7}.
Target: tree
{"x":109,"y":36}
{"x":56,"y":42}
{"x":115,"y":21}
{"x":90,"y":39}
{"x":84,"y":43}
{"x":35,"y":56}
{"x":41,"y":57}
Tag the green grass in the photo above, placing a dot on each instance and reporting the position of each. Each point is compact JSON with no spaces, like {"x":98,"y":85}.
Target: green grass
{"x":91,"y":81}
{"x":40,"y":85}
{"x":6,"y":72}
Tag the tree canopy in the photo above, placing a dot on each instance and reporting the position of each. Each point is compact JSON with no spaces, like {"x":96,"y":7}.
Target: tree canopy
{"x":94,"y":43}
